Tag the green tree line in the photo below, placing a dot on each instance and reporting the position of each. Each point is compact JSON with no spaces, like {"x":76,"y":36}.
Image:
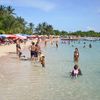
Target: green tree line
{"x":10,"y":23}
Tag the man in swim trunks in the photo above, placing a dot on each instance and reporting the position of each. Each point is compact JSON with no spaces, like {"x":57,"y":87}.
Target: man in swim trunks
{"x":37,"y":51}
{"x":32,"y":50}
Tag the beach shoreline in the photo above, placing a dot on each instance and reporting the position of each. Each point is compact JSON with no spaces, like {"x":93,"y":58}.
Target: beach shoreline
{"x":25,"y":80}
{"x":5,"y":49}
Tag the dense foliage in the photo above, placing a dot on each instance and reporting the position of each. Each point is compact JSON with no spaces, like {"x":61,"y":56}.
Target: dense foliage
{"x":10,"y":23}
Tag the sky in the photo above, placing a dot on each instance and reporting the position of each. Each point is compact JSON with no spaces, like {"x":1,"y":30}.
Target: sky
{"x":68,"y":15}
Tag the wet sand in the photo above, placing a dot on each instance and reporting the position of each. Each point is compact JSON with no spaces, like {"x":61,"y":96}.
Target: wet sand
{"x":20,"y":80}
{"x":7,"y":48}
{"x":24,"y":80}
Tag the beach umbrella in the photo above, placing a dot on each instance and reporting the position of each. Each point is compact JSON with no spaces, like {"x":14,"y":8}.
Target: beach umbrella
{"x":3,"y":35}
{"x":20,"y":36}
{"x":11,"y":36}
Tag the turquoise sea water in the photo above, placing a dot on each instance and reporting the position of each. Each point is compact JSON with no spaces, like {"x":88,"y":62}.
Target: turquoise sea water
{"x":60,"y":63}
{"x":24,"y":80}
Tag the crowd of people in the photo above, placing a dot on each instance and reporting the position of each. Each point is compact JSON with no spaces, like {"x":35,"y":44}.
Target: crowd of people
{"x":36,"y":55}
{"x":35,"y":52}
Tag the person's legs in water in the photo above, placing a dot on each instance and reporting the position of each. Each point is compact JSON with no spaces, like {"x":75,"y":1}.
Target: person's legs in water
{"x":19,"y":54}
{"x":32,"y":55}
{"x":36,"y":56}
{"x":43,"y":61}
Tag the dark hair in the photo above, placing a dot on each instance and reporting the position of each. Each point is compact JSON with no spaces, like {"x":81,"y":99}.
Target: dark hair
{"x":75,"y":67}
{"x":33,"y":43}
{"x":76,"y":48}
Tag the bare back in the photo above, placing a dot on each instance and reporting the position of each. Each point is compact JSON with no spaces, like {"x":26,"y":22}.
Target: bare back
{"x":32,"y":47}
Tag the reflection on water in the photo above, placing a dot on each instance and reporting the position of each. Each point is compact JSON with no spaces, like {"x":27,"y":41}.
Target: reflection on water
{"x":24,"y":80}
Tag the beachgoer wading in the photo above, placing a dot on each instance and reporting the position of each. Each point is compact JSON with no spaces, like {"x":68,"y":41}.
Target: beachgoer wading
{"x":18,"y":48}
{"x":76,"y":55}
{"x":32,"y":50}
{"x":37,"y":51}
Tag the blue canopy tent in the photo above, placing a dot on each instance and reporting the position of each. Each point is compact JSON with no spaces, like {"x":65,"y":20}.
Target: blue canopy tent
{"x":3,"y":36}
{"x":20,"y":34}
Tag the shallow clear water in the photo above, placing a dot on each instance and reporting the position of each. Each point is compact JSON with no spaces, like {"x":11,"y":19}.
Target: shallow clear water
{"x":60,"y":62}
{"x":24,"y":80}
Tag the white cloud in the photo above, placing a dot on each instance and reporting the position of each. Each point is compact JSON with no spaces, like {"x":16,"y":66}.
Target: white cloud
{"x":44,"y":5}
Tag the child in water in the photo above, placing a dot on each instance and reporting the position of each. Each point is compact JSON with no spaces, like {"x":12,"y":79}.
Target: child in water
{"x":42,"y":60}
{"x":75,"y":72}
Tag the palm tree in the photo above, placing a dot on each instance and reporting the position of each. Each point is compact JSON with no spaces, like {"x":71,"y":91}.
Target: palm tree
{"x":22,"y":23}
{"x":39,"y":29}
{"x":56,"y":32}
{"x":8,"y":24}
{"x":21,"y":20}
{"x":49,"y":30}
{"x":44,"y":28}
{"x":2,"y":10}
{"x":31,"y":26}
{"x":10,"y":10}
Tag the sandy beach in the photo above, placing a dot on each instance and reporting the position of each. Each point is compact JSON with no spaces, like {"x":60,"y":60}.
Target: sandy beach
{"x":19,"y":78}
{"x":25,"y":80}
{"x":5,"y":49}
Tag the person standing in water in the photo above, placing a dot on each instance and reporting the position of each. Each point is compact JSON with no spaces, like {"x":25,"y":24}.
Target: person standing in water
{"x":32,"y":50}
{"x":56,"y":44}
{"x":90,"y":46}
{"x":18,"y":48}
{"x":76,"y":55}
{"x":37,"y":51}
{"x":45,"y":42}
{"x":42,"y":59}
